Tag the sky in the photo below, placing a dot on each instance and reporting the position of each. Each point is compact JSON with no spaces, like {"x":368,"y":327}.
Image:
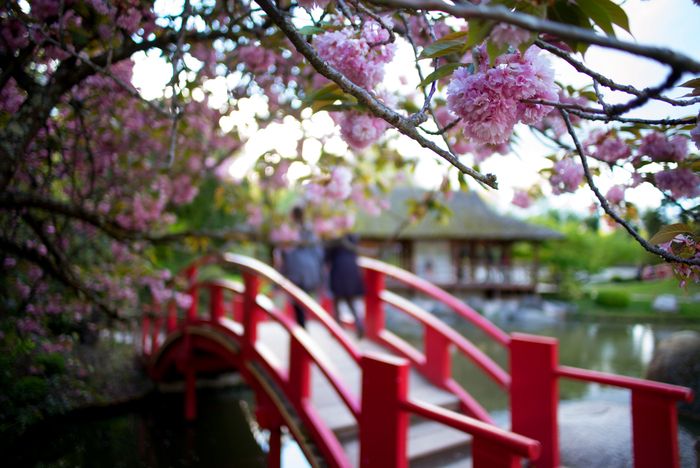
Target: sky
{"x":666,"y":23}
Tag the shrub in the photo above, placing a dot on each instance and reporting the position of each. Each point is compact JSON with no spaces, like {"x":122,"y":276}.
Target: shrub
{"x":30,"y":389}
{"x":52,"y":363}
{"x":612,"y":298}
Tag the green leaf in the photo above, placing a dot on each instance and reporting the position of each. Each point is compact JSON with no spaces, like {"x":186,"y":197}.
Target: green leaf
{"x":310,"y":30}
{"x":595,"y":11}
{"x":443,"y":47}
{"x":667,"y":233}
{"x":440,"y":72}
{"x":478,"y":30}
{"x":329,"y":92}
{"x":569,"y":13}
{"x":495,"y":50}
{"x":617,"y":15}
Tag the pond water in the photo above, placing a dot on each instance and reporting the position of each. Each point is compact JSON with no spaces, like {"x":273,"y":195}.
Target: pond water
{"x":153,"y":433}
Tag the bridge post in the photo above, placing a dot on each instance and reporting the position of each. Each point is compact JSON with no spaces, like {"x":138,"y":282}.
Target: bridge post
{"x":374,"y":310}
{"x":188,"y":369}
{"x":251,"y":316}
{"x":383,"y":422}
{"x":216,"y":303}
{"x":654,"y":430}
{"x":191,"y":274}
{"x":534,"y":393}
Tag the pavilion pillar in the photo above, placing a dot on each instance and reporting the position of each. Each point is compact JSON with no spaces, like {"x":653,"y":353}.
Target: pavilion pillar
{"x":534,"y":275}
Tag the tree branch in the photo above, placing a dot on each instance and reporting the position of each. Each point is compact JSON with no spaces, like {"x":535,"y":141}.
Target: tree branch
{"x":565,"y":31}
{"x":608,"y":209}
{"x":604,"y":80}
{"x":401,"y":123}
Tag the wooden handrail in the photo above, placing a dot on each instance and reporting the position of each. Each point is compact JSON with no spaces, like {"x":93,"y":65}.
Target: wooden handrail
{"x":478,"y":357}
{"x":673,"y":392}
{"x":514,"y":443}
{"x":440,"y":295}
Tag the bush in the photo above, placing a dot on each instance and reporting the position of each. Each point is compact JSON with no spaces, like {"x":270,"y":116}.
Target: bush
{"x":53,"y":363}
{"x":612,"y":298}
{"x":30,"y":389}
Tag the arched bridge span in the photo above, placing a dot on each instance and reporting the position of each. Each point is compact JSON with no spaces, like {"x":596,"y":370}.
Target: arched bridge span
{"x":228,"y":335}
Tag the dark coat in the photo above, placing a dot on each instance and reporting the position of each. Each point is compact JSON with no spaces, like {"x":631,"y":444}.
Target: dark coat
{"x":302,"y":264}
{"x":345,"y":279}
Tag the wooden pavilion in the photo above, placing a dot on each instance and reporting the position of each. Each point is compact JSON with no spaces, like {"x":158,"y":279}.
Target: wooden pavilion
{"x":472,"y":252}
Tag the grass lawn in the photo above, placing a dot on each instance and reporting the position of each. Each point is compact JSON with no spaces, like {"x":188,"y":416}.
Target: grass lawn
{"x":636,"y":298}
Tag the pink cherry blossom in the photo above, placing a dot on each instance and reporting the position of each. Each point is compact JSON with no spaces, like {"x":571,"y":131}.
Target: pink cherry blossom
{"x":521,"y":199}
{"x":567,"y":176}
{"x":490,"y":102}
{"x":340,"y":185}
{"x":257,"y":59}
{"x":508,"y":35}
{"x":616,"y":194}
{"x":682,"y":183}
{"x":610,"y":148}
{"x":420,"y":32}
{"x":695,"y":136}
{"x":359,"y":130}
{"x":691,"y":250}
{"x":660,"y":148}
{"x":255,"y":216}
{"x":284,"y":233}
{"x":360,"y":59}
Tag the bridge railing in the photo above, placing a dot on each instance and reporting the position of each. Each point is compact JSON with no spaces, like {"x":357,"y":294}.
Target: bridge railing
{"x":534,"y":371}
{"x":384,"y":421}
{"x":248,"y":308}
{"x":435,"y":361}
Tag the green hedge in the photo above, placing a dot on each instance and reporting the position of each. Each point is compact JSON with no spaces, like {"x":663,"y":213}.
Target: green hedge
{"x":612,"y":298}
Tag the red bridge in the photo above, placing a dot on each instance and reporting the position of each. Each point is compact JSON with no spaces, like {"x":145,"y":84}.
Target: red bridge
{"x":369,"y":404}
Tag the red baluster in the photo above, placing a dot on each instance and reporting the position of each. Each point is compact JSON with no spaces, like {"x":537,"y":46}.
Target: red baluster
{"x":237,"y":308}
{"x":274,"y":456}
{"x":438,"y":360}
{"x":383,"y":424}
{"x":172,"y":316}
{"x":191,"y":275}
{"x":216,"y":303}
{"x":534,"y":394}
{"x":299,"y":372}
{"x":251,"y":315}
{"x":145,"y":333}
{"x":374,"y":308}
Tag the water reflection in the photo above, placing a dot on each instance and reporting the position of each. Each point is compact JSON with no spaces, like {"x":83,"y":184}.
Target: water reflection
{"x":152,"y":434}
{"x":607,"y":346}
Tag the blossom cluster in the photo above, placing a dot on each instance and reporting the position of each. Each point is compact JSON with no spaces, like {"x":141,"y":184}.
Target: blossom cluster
{"x":361,"y":57}
{"x":491,"y":101}
{"x":685,"y":246}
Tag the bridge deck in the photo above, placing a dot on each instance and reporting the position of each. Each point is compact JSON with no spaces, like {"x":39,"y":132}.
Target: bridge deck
{"x":427,"y":442}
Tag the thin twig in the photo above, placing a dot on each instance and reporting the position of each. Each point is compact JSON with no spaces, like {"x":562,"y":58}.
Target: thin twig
{"x":604,"y":80}
{"x":608,"y":209}
{"x":538,"y":25}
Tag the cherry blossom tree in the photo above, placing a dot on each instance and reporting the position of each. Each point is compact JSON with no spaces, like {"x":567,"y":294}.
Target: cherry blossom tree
{"x":103,"y":190}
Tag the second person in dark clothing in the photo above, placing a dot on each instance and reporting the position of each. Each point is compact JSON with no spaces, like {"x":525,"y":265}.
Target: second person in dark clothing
{"x":345,"y":280}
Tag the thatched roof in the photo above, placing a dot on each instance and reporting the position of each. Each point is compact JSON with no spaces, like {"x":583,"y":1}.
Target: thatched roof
{"x":471,"y":219}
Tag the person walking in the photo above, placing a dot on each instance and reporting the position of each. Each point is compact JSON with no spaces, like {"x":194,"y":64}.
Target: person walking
{"x":302,"y":261}
{"x":345,"y":279}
